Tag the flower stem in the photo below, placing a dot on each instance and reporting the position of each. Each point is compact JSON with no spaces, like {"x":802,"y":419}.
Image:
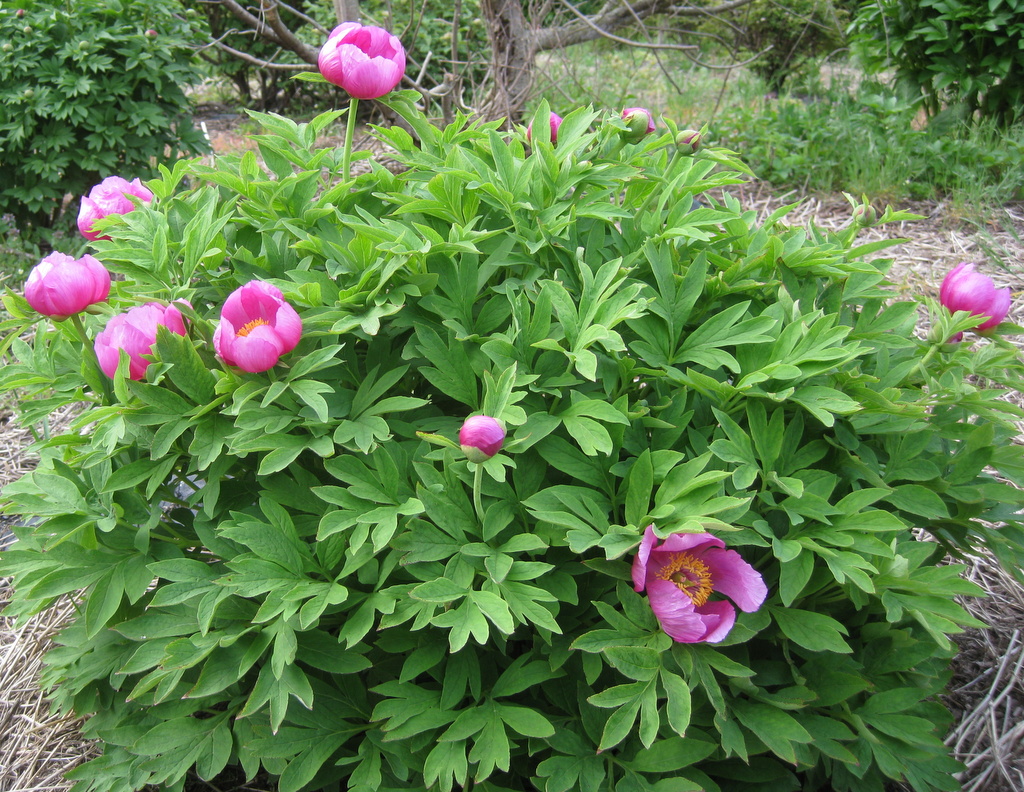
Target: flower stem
{"x":350,"y":131}
{"x":477,"y":481}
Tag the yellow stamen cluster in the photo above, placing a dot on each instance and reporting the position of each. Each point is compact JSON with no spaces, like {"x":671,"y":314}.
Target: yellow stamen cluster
{"x":248,"y":327}
{"x":690,"y":574}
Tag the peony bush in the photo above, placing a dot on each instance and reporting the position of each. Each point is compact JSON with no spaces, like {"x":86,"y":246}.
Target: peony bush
{"x":518,"y":470}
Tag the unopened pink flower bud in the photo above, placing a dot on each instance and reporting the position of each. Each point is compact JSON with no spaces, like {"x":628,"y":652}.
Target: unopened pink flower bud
{"x":109,"y":197}
{"x":555,"y":121}
{"x":964,"y":289}
{"x":60,"y":286}
{"x":640,"y":123}
{"x":865,"y":215}
{"x":688,"y":141}
{"x":134,"y":331}
{"x":481,"y":437}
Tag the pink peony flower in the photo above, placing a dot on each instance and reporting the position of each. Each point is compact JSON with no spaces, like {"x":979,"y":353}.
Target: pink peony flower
{"x":365,"y":60}
{"x":640,"y":122}
{"x":134,"y":331}
{"x":59,"y":286}
{"x":963,"y":289}
{"x":481,"y":437}
{"x":256,"y":327}
{"x":556,"y":122}
{"x":682,"y":572}
{"x":109,"y":197}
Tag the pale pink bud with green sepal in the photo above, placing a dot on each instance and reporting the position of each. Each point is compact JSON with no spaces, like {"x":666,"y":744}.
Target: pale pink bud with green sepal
{"x":640,"y":123}
{"x":134,"y":331}
{"x":60,"y":286}
{"x":682,"y":572}
{"x":964,"y":289}
{"x":481,"y":437}
{"x":688,"y":141}
{"x":257,"y":326}
{"x":365,"y":60}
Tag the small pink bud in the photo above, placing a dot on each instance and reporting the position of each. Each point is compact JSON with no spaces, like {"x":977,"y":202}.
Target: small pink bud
{"x":151,"y":33}
{"x":481,"y":437}
{"x":20,"y":13}
{"x":556,"y":122}
{"x":689,"y":141}
{"x":640,"y":123}
{"x":865,"y":215}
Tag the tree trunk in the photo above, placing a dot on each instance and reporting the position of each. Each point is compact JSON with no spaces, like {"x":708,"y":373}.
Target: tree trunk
{"x":512,"y":53}
{"x":346,"y":10}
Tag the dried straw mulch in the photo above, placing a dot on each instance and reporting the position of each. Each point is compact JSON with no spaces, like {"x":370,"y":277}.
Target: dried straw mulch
{"x":987,"y":692}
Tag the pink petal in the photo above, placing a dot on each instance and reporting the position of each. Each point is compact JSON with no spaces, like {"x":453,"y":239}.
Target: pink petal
{"x":719,"y":618}
{"x":643,"y":554}
{"x":258,"y":351}
{"x":88,"y":214}
{"x":693,"y":542}
{"x":223,"y":339}
{"x":735,"y":578}
{"x":288,"y":327}
{"x":675,"y":611}
{"x":997,"y":310}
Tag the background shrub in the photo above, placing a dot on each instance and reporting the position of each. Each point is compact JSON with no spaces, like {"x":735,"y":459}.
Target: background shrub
{"x":85,"y":92}
{"x":950,"y":51}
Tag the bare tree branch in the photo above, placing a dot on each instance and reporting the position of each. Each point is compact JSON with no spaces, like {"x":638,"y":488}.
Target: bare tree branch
{"x":628,"y":42}
{"x":263,"y":64}
{"x":287,"y":38}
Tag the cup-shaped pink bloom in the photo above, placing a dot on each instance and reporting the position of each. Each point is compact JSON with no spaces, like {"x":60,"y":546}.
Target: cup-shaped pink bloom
{"x":681,"y":573}
{"x":640,"y":122}
{"x":365,"y":60}
{"x":134,"y":331}
{"x":555,"y":121}
{"x":256,"y":327}
{"x":60,"y":286}
{"x":964,"y":289}
{"x":109,"y":197}
{"x":481,"y":437}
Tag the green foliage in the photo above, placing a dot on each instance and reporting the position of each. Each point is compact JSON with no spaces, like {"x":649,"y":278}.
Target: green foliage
{"x":869,"y":144}
{"x":85,"y":93}
{"x":283,"y":571}
{"x":950,"y":51}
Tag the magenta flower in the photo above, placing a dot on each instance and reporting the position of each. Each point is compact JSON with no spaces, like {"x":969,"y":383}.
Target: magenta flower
{"x":481,"y":437}
{"x":134,"y":331}
{"x":60,"y":286}
{"x":109,"y":197}
{"x":256,"y":327}
{"x":640,"y":122}
{"x":365,"y":60}
{"x":963,"y":289}
{"x":681,"y":573}
{"x":556,"y":122}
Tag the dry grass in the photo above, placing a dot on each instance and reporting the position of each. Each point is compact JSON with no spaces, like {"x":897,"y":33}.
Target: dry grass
{"x":986,"y":696}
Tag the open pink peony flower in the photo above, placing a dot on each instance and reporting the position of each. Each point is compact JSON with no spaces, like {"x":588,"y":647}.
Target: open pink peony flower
{"x":481,"y":437}
{"x":365,"y":60}
{"x":640,"y":122}
{"x":134,"y":331}
{"x":256,"y":327}
{"x":60,"y":286}
{"x":109,"y":197}
{"x":556,"y":122}
{"x":964,"y":289}
{"x":682,"y":572}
